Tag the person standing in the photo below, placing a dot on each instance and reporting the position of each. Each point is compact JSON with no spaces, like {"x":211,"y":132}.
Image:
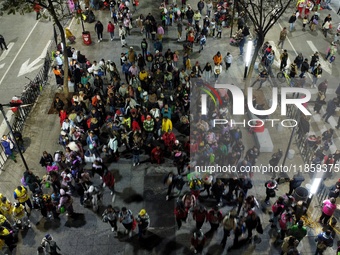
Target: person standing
{"x":295,"y":182}
{"x":291,"y":22}
{"x":198,"y":241}
{"x":207,"y":70}
{"x":111,"y":30}
{"x":284,"y":59}
{"x":8,"y":146}
{"x":144,"y":47}
{"x":228,"y":59}
{"x":50,"y":245}
{"x":99,"y":30}
{"x":282,"y":37}
{"x":317,"y":72}
{"x":328,"y":208}
{"x":304,"y":67}
{"x":203,"y":40}
{"x":271,"y":186}
{"x":3,"y":43}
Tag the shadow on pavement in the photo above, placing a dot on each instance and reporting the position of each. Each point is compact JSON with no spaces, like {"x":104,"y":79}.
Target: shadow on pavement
{"x":76,"y":221}
{"x":129,"y":196}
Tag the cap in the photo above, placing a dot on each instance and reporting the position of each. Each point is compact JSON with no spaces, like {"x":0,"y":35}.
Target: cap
{"x":157,"y":51}
{"x":63,"y":133}
{"x":176,"y":142}
{"x":48,"y":236}
{"x":131,"y":47}
{"x":142,"y":212}
{"x":145,"y":93}
{"x":162,"y":95}
{"x":148,"y":117}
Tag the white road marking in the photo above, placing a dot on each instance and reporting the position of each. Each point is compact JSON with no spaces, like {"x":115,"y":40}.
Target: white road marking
{"x":5,"y":53}
{"x":27,"y":68}
{"x":19,"y":51}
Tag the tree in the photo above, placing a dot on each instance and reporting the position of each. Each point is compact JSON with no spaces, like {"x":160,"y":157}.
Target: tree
{"x":263,"y":14}
{"x":55,"y":8}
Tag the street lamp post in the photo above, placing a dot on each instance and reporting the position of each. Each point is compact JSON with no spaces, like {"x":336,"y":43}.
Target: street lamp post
{"x":11,"y":132}
{"x":248,"y":56}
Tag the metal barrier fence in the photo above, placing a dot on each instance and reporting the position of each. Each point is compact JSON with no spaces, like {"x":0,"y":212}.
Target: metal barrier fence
{"x":29,"y":97}
{"x":306,"y":151}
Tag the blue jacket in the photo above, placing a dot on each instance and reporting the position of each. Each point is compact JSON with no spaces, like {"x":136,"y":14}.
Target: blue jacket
{"x":7,"y":147}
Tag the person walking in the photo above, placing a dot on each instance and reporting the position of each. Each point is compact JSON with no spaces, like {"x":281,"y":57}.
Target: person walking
{"x":111,"y":215}
{"x":179,"y":30}
{"x":262,"y":77}
{"x":144,"y":47}
{"x":49,"y":245}
{"x":282,"y":37}
{"x":21,"y":194}
{"x":330,"y":110}
{"x":328,"y":208}
{"x":203,"y":40}
{"x":3,"y":43}
{"x":199,"y":215}
{"x":207,"y":70}
{"x":304,"y":67}
{"x":320,"y":101}
{"x":299,"y":231}
{"x":325,"y":28}
{"x":109,"y":181}
{"x":217,"y":70}
{"x":331,"y":52}
{"x":8,"y":146}
{"x":324,"y":240}
{"x":228,"y":59}
{"x":122,"y":35}
{"x":143,"y":221}
{"x":111,"y":30}
{"x":99,"y":28}
{"x":126,"y":218}
{"x":229,"y":224}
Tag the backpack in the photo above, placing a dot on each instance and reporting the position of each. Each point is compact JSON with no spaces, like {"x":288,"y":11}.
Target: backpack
{"x":275,"y":206}
{"x":245,"y":31}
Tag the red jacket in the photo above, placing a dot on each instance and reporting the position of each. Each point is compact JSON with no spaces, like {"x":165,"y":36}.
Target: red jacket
{"x":198,"y":242}
{"x":109,"y":179}
{"x":156,"y":154}
{"x":135,"y":126}
{"x":199,"y":216}
{"x":180,"y":213}
{"x":110,"y":28}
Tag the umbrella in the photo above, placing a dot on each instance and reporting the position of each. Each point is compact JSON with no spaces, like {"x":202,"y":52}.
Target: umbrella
{"x":193,"y":175}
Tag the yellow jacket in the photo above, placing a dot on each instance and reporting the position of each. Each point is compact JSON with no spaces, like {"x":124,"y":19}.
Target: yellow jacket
{"x":2,"y":219}
{"x":6,"y":208}
{"x":22,"y":195}
{"x":18,"y":212}
{"x":166,"y":125}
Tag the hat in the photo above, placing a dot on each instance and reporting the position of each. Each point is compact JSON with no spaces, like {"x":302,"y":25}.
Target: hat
{"x":63,"y":133}
{"x":48,"y":237}
{"x":176,"y":142}
{"x":162,"y":95}
{"x":62,"y":192}
{"x":157,"y":51}
{"x":145,"y":93}
{"x":131,"y":47}
{"x":142,"y":212}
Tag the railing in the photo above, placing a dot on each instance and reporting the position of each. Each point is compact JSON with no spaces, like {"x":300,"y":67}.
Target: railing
{"x":29,"y":97}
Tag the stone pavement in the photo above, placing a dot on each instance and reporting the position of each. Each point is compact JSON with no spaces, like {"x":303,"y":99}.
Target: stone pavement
{"x":137,"y":187}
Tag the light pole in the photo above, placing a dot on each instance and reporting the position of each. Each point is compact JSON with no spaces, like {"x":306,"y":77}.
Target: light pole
{"x":248,"y":56}
{"x":11,"y":132}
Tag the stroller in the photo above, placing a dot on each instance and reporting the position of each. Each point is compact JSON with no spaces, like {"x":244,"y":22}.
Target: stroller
{"x":235,"y":40}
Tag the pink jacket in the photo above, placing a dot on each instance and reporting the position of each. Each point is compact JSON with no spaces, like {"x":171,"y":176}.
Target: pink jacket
{"x":328,"y":208}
